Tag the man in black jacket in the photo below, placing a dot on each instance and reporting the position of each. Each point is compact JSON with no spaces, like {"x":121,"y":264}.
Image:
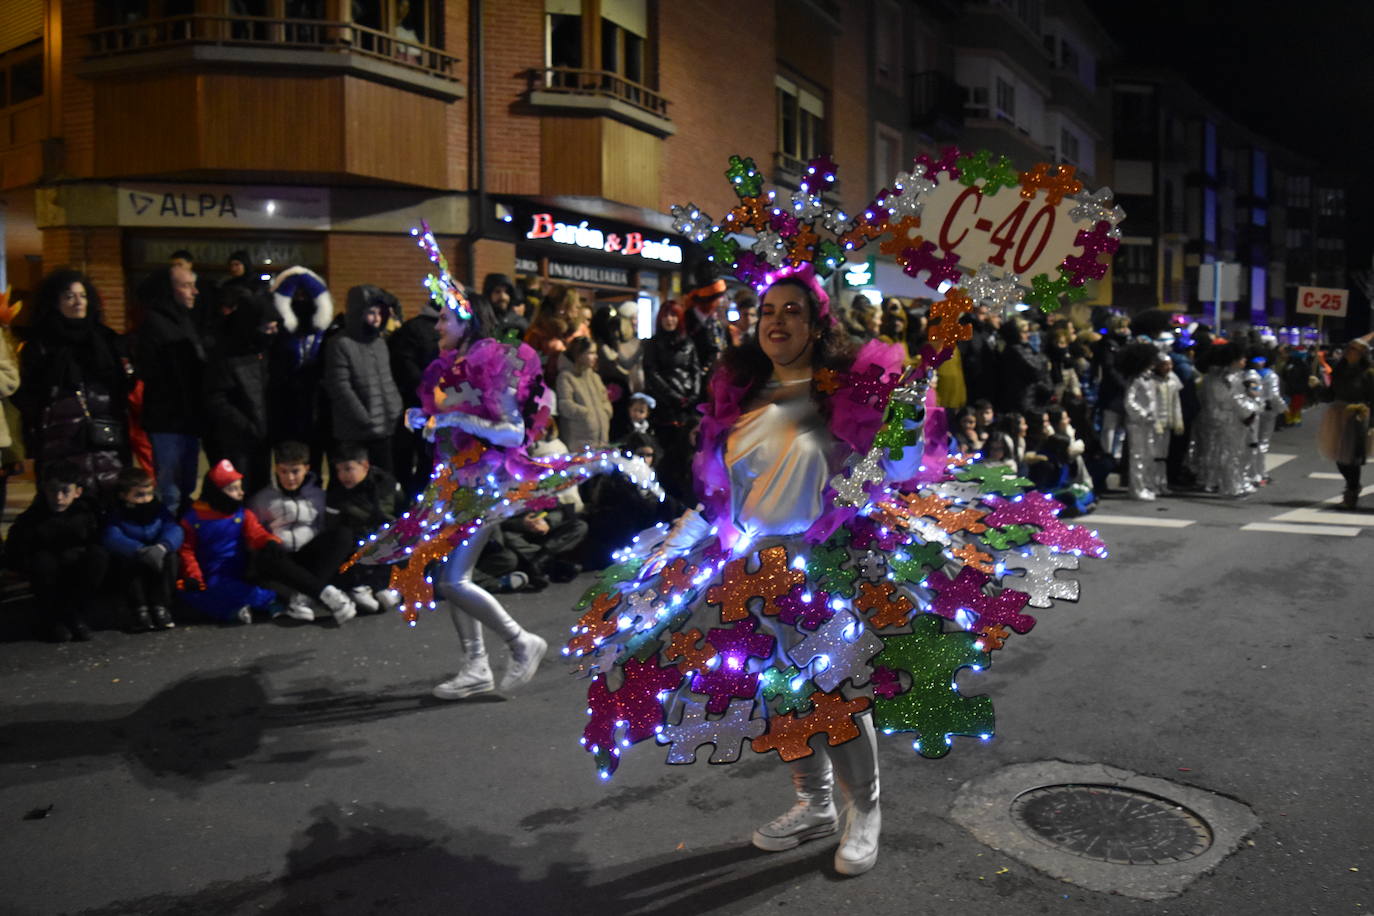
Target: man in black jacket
{"x":170,"y":359}
{"x":414,"y":345}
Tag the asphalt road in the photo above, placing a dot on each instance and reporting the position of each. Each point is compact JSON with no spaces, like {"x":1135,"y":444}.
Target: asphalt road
{"x":305,"y":769}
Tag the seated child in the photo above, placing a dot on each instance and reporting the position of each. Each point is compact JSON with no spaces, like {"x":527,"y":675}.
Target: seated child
{"x":228,"y":554}
{"x":987,"y":417}
{"x":55,"y":544}
{"x":966,"y":434}
{"x":360,"y":499}
{"x":143,"y":539}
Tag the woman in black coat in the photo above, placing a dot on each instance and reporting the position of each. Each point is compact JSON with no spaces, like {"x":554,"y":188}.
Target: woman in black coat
{"x":1024,"y":373}
{"x":672,"y":377}
{"x":236,"y":385}
{"x":73,"y":388}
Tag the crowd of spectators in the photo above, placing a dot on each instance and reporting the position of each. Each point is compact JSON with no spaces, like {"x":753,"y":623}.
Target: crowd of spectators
{"x":274,"y":392}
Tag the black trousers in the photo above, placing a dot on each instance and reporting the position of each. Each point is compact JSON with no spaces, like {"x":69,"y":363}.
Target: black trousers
{"x":327,"y":551}
{"x":145,"y":586}
{"x":66,"y":580}
{"x":1351,"y":473}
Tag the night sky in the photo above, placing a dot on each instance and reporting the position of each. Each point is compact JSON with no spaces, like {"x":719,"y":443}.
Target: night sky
{"x":1301,"y":73}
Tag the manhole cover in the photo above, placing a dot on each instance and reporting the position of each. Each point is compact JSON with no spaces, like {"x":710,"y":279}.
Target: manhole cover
{"x":1112,"y":824}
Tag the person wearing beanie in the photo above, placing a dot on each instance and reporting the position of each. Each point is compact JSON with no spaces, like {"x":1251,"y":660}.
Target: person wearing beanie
{"x":227,"y":554}
{"x":243,"y":274}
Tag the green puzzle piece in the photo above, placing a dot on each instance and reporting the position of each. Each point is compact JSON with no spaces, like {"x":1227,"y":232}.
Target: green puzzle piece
{"x":608,"y":579}
{"x":1006,"y":538}
{"x":933,"y":708}
{"x":919,"y":561}
{"x":999,"y":480}
{"x":777,"y":682}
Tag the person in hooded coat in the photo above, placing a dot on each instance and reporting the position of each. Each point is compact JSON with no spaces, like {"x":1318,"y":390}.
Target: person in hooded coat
{"x":169,"y":357}
{"x":363,"y":398}
{"x":236,"y":385}
{"x":413,"y":346}
{"x":296,"y":363}
{"x":72,"y":377}
{"x":507,"y":303}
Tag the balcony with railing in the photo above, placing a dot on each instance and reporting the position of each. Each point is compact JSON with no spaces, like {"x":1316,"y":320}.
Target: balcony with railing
{"x":600,"y":92}
{"x":265,"y":42}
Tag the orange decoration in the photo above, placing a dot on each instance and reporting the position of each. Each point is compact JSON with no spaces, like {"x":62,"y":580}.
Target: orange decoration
{"x":827,"y":380}
{"x":946,"y":329}
{"x":692,"y":657}
{"x":1055,"y":187}
{"x":801,"y":247}
{"x":948,"y":518}
{"x":773,"y":579}
{"x":597,"y":623}
{"x":833,"y":714}
{"x":878,"y":596}
{"x":903,"y":236}
{"x":862,"y":232}
{"x":974,"y":557}
{"x":993,"y":636}
{"x":752,"y":212}
{"x":676,"y":578}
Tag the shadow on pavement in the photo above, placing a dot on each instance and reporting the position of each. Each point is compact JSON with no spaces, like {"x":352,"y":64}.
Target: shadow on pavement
{"x":201,"y":730}
{"x":373,"y":858}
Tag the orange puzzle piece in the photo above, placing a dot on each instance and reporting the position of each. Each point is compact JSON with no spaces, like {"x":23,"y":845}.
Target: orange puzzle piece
{"x":773,"y":579}
{"x":833,"y":714}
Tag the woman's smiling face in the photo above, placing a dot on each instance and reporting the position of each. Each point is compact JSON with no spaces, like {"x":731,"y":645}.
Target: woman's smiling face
{"x":785,"y":331}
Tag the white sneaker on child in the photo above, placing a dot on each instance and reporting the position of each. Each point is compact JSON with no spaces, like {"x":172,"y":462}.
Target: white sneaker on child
{"x":364,"y":599}
{"x":298,"y":608}
{"x":526,"y":652}
{"x":390,"y":600}
{"x":473,"y":677}
{"x":244,"y":614}
{"x":338,"y":603}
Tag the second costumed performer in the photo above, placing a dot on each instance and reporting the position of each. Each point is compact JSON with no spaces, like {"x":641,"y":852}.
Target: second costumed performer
{"x":483,"y":403}
{"x":839,"y":574}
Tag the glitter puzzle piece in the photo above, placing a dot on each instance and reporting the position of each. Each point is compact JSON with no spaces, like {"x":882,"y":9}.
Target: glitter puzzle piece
{"x":949,"y":518}
{"x":842,"y":648}
{"x":873,"y":384}
{"x":864,"y":230}
{"x":738,"y":587}
{"x":997,"y":292}
{"x":1095,"y":241}
{"x":957,"y":599}
{"x":691,"y":222}
{"x":992,"y":479}
{"x":947,"y":327}
{"x":684,"y":650}
{"x":1037,"y":577}
{"x":901,"y":236}
{"x":676,"y":578}
{"x":751,"y":213}
{"x":635,"y":708}
{"x":1046,"y":293}
{"x":720,"y":247}
{"x":825,"y":567}
{"x":887,"y":683}
{"x":1008,"y":537}
{"x":801,"y":245}
{"x":599,"y":622}
{"x":991,"y":637}
{"x":609,"y":578}
{"x":895,"y":435}
{"x":726,"y":735}
{"x":922,"y":259}
{"x":1055,"y":186}
{"x":803,"y":608}
{"x":872,"y":566}
{"x":833,"y":715}
{"x":1004,"y":609}
{"x":886,"y":606}
{"x":994,"y":173}
{"x":829,"y":256}
{"x":819,"y":175}
{"x":1042,"y":511}
{"x":975,"y":558}
{"x":851,"y":486}
{"x":959,"y":491}
{"x":744,"y":177}
{"x":933,"y":707}
{"x":914,"y":561}
{"x":730,"y":677}
{"x":947,"y":163}
{"x":1096,"y":207}
{"x":789,"y":687}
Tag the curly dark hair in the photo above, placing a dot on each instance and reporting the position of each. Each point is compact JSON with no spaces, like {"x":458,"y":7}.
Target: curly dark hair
{"x":50,"y":296}
{"x":749,"y":366}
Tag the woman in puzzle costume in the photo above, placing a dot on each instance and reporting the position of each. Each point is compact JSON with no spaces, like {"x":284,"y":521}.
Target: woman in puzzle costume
{"x":483,"y":403}
{"x":839,"y":573}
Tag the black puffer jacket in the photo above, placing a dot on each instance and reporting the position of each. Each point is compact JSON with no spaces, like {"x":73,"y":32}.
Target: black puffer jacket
{"x":236,"y":376}
{"x":363,"y":398}
{"x":413,"y":346}
{"x":672,"y":375}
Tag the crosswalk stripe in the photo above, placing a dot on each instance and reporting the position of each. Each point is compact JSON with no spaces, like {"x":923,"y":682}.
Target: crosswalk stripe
{"x":1323,"y":517}
{"x":1277,"y":528}
{"x":1142,"y":520}
{"x":1276,"y":459}
{"x":1325,"y":475}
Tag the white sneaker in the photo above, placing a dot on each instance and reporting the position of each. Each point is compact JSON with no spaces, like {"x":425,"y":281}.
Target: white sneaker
{"x":802,"y":822}
{"x":526,"y":652}
{"x":858,"y":850}
{"x":473,"y":677}
{"x":390,"y":600}
{"x":338,"y":603}
{"x":364,"y":600}
{"x":244,"y":614}
{"x":298,"y":608}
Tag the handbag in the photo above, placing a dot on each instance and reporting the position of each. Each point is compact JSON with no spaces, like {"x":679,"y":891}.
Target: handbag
{"x":103,"y":434}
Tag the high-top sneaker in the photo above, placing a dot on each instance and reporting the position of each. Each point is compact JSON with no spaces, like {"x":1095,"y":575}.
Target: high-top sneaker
{"x":812,"y":817}
{"x":526,"y":652}
{"x":473,"y":677}
{"x":858,"y":850}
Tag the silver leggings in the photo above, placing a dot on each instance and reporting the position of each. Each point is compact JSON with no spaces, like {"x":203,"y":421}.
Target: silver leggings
{"x":854,"y":765}
{"x":469,"y":604}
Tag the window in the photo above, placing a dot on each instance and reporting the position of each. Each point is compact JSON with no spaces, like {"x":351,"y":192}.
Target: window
{"x":1068,"y":56}
{"x":1300,"y":191}
{"x":1006,"y":101}
{"x":887,"y":152}
{"x":801,"y":121}
{"x":1330,"y":201}
{"x":976,"y":101}
{"x":21,"y":73}
{"x":1068,"y":146}
{"x":1134,"y":265}
{"x":887,"y":56}
{"x":622,"y":32}
{"x":406,"y":20}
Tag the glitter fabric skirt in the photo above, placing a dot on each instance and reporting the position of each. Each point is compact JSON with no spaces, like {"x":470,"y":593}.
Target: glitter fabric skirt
{"x":469,"y":490}
{"x":774,"y":642}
